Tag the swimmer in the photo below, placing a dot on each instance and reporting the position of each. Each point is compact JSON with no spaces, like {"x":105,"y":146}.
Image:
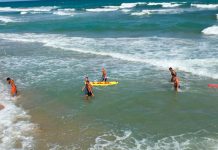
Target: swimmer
{"x":173,"y":73}
{"x":13,"y":87}
{"x":104,"y":75}
{"x":88,"y":90}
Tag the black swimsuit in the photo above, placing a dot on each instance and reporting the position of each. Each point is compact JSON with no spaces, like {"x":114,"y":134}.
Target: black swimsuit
{"x":89,"y":93}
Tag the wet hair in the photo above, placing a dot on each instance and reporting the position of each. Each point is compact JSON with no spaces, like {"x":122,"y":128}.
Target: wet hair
{"x":8,"y":79}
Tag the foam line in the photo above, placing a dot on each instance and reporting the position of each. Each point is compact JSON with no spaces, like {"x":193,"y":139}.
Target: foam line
{"x":213,"y":30}
{"x":15,"y":125}
{"x":64,"y":12}
{"x":28,"y":9}
{"x":105,"y":9}
{"x":126,"y":141}
{"x":6,"y":19}
{"x":205,"y":6}
{"x":165,"y":5}
{"x":156,"y":54}
{"x":157,"y":11}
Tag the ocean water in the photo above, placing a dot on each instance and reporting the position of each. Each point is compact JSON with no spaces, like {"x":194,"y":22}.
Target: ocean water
{"x":49,"y":46}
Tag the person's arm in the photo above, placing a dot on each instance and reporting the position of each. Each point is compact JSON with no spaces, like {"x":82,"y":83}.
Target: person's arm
{"x":83,"y":88}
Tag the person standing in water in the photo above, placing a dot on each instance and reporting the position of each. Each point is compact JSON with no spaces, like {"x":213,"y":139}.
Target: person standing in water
{"x":173,"y":73}
{"x":104,"y":75}
{"x":88,"y":90}
{"x":13,"y":87}
{"x":176,"y":83}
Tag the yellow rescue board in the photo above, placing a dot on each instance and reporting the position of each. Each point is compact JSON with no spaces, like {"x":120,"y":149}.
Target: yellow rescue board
{"x":104,"y":83}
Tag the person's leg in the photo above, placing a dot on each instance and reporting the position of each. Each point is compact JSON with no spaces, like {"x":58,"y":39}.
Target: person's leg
{"x":86,"y":97}
{"x":176,"y":87}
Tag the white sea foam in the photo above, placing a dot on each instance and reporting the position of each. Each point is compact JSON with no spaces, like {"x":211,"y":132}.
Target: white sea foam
{"x":124,"y":7}
{"x":213,"y":30}
{"x":6,"y":19}
{"x":32,"y":12}
{"x":105,"y":9}
{"x":157,"y":11}
{"x":65,"y":12}
{"x":28,"y":9}
{"x":127,"y":5}
{"x":112,"y":7}
{"x":205,"y":6}
{"x":216,"y":16}
{"x":142,"y":13}
{"x":166,"y":11}
{"x":188,"y":55}
{"x":102,"y":143}
{"x":126,"y":141}
{"x":23,"y":12}
{"x":5,"y":9}
{"x":165,"y":5}
{"x":126,"y":10}
{"x":15,"y":125}
{"x":131,"y":5}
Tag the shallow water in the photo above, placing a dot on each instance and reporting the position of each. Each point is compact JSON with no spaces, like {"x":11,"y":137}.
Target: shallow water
{"x":48,"y":48}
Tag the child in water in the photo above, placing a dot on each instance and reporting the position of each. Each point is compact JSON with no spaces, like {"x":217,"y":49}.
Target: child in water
{"x":13,"y":87}
{"x":88,"y":89}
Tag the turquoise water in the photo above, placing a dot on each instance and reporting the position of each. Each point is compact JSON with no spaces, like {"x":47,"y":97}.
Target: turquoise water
{"x":48,"y":47}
